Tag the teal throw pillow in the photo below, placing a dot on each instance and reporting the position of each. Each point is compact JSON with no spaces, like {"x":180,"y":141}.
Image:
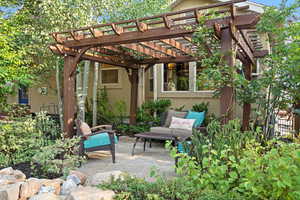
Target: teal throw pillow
{"x":198,"y":116}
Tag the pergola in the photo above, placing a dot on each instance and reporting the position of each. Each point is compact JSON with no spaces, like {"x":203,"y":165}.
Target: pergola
{"x":164,"y":38}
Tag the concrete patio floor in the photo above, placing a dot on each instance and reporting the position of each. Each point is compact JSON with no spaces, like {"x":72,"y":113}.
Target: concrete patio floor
{"x":139,"y":165}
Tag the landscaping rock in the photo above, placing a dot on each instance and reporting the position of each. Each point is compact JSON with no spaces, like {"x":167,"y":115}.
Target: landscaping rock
{"x":68,"y":186}
{"x":55,"y":183}
{"x":74,"y":178}
{"x":45,"y":196}
{"x":10,"y":176}
{"x":10,"y":191}
{"x":30,"y":188}
{"x":47,"y":189}
{"x":99,"y":178}
{"x":7,"y":179}
{"x":20,"y":176}
{"x":80,"y":175}
{"x":90,"y":193}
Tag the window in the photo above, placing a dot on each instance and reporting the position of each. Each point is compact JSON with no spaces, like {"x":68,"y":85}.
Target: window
{"x":110,"y":76}
{"x":176,"y":77}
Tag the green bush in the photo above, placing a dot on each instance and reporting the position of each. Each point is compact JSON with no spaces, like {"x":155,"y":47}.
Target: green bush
{"x":107,"y":113}
{"x":36,"y":142}
{"x":130,"y":188}
{"x":228,"y":160}
{"x":59,"y":157}
{"x":19,"y":141}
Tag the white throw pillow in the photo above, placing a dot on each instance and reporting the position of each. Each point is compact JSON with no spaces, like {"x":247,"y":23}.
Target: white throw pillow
{"x":181,"y":123}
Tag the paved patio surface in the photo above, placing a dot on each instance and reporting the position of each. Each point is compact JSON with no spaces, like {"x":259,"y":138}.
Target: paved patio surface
{"x":139,"y":165}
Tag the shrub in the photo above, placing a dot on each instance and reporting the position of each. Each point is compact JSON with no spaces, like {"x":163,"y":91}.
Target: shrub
{"x":228,"y":160}
{"x":36,"y":143}
{"x":130,"y":188}
{"x":59,"y":157}
{"x":107,"y":113}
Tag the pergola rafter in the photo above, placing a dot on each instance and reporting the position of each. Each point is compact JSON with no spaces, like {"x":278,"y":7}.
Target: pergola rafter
{"x":164,"y":38}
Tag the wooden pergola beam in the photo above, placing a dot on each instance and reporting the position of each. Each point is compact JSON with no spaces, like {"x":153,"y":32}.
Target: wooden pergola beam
{"x":242,"y":21}
{"x":143,"y":50}
{"x":238,"y":38}
{"x":169,"y":60}
{"x":177,"y":45}
{"x":159,"y":48}
{"x":96,"y":58}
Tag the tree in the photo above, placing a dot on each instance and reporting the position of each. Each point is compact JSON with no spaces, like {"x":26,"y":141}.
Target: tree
{"x":278,"y":87}
{"x":14,"y":68}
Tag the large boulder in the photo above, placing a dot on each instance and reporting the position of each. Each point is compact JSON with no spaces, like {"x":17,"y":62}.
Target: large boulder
{"x":99,"y":178}
{"x":90,"y":193}
{"x":45,"y":196}
{"x":10,"y":191}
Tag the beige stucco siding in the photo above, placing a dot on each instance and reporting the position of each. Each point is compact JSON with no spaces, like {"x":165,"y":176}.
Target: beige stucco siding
{"x":37,"y":100}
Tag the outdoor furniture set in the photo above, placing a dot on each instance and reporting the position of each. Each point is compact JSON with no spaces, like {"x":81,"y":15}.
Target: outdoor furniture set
{"x":175,"y":126}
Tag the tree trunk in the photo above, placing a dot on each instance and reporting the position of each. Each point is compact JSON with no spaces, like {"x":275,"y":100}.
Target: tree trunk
{"x":59,"y":97}
{"x":82,"y":87}
{"x":95,"y":89}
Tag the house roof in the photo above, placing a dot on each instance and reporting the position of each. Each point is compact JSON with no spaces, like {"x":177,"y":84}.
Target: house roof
{"x":255,"y":7}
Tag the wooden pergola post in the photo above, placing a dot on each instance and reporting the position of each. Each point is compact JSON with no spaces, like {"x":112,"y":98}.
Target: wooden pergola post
{"x":227,"y":93}
{"x":69,"y":96}
{"x":134,"y":80}
{"x":247,"y":106}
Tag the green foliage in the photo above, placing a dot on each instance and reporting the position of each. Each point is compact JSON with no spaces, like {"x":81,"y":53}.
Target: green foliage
{"x":227,"y":160}
{"x":130,"y":188}
{"x":277,"y":87}
{"x":14,"y":70}
{"x":148,"y":115}
{"x":37,"y":141}
{"x":21,"y":139}
{"x":59,"y":157}
{"x":14,"y":110}
{"x":107,"y":113}
{"x":200,"y":107}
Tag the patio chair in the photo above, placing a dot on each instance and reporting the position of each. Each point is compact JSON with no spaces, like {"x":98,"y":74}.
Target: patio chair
{"x":97,"y":138}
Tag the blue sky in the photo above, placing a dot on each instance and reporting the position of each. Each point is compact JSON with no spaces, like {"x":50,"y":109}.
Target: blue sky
{"x":270,"y":2}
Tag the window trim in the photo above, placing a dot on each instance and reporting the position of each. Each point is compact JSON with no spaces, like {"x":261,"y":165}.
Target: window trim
{"x":111,"y":85}
{"x":192,"y":82}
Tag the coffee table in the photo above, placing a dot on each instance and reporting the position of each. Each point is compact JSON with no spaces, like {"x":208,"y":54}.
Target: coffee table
{"x":153,"y":136}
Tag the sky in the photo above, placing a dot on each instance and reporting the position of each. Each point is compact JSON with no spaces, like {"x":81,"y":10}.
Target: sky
{"x":270,"y":2}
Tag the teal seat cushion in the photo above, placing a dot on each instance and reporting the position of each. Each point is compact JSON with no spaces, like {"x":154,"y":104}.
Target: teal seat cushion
{"x":184,"y":148}
{"x":198,"y":116}
{"x":98,"y":140}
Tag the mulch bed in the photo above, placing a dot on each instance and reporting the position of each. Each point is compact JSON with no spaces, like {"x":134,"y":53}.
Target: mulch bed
{"x":37,"y":172}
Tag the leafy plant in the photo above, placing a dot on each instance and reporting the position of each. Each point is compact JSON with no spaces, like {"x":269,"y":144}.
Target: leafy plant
{"x":201,"y":107}
{"x":59,"y":157}
{"x":107,"y":113}
{"x":22,"y":138}
{"x":130,"y":188}
{"x":228,"y":160}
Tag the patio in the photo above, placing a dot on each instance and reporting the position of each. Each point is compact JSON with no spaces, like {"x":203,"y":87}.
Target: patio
{"x":139,"y":165}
